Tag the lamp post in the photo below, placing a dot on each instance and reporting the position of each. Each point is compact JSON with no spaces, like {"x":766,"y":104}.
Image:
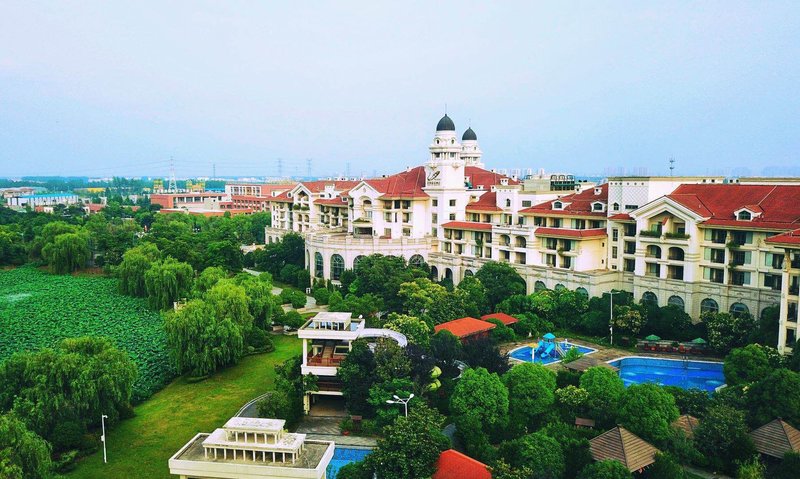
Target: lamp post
{"x":404,"y":402}
{"x":103,"y":437}
{"x":611,"y":321}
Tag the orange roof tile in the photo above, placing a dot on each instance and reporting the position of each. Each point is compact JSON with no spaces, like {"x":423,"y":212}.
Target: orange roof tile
{"x":506,"y":319}
{"x":467,"y":225}
{"x":464,"y":327}
{"x":454,"y":465}
{"x":591,"y":233}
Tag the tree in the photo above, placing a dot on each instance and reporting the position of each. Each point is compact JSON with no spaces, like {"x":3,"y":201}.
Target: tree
{"x":477,"y":303}
{"x":382,"y":276}
{"x":531,"y":392}
{"x":481,"y":395}
{"x":692,"y":401}
{"x":431,"y":302}
{"x":607,"y":469}
{"x":168,"y":281}
{"x":727,"y":331}
{"x":12,"y":246}
{"x":484,"y":353}
{"x":135,"y":263}
{"x":224,"y":254}
{"x":648,"y":411}
{"x":446,"y":348}
{"x":722,"y":437}
{"x":260,"y":300}
{"x":536,"y":451}
{"x":665,"y":467}
{"x":67,"y":253}
{"x":788,"y":467}
{"x":629,"y":319}
{"x":357,"y":373}
{"x":501,"y":333}
{"x":501,"y":281}
{"x":777,"y":395}
{"x":209,"y":277}
{"x":752,"y":469}
{"x":605,"y":390}
{"x":745,"y":365}
{"x":200,"y":342}
{"x":416,"y":331}
{"x":78,"y":380}
{"x":379,"y":393}
{"x":669,"y":321}
{"x":23,"y":454}
{"x":229,"y":301}
{"x":410,"y":446}
{"x":274,"y":405}
{"x":391,"y":361}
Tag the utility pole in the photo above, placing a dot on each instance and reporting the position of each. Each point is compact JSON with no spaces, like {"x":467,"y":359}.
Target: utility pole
{"x":103,"y":437}
{"x":404,"y":402}
{"x":671,"y":165}
{"x":173,"y":186}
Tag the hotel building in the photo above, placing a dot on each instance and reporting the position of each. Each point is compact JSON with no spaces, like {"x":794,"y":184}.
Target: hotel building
{"x":700,"y":243}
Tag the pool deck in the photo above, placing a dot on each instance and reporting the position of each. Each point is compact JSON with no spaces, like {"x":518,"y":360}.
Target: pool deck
{"x":607,"y":353}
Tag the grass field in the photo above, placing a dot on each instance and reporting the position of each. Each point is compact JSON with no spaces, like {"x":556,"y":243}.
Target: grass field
{"x":140,"y":447}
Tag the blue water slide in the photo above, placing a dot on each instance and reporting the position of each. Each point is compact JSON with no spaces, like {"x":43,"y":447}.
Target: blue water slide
{"x":549,"y":350}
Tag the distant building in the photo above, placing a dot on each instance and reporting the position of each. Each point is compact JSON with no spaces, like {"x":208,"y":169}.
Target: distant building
{"x":42,"y":199}
{"x":251,"y":448}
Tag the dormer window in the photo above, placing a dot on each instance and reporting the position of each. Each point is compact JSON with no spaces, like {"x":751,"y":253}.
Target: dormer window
{"x":598,"y":190}
{"x":615,"y":206}
{"x":744,"y":216}
{"x":508,"y":203}
{"x":557,"y":205}
{"x":598,"y":206}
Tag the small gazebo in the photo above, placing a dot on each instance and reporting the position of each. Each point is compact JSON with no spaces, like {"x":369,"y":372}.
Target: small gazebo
{"x":776,"y":438}
{"x":687,"y":424}
{"x":621,"y":445}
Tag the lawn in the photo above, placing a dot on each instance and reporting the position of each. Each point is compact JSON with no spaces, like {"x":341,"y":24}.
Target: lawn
{"x":140,"y":447}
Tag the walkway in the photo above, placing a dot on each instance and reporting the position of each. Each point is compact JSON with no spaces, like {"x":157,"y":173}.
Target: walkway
{"x":311,"y":303}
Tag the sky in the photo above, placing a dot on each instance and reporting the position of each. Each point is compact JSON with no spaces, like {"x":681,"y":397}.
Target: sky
{"x":592,"y":88}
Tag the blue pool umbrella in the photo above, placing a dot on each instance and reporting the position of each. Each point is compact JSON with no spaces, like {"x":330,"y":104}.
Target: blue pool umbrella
{"x":549,"y":336}
{"x":699,"y":341}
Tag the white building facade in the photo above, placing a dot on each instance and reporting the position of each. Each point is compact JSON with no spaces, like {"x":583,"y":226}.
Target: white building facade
{"x":700,"y":243}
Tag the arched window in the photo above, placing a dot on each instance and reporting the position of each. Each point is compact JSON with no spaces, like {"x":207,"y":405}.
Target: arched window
{"x":615,"y":206}
{"x":539,"y":286}
{"x":508,"y":203}
{"x":337,"y":266}
{"x":448,"y":274}
{"x":560,"y":287}
{"x":416,"y":261}
{"x":318,"y":265}
{"x":650,"y":297}
{"x":434,"y":273}
{"x":557,"y":205}
{"x":468,"y":273}
{"x":739,"y":309}
{"x":582,"y":292}
{"x":676,"y":301}
{"x":357,"y":260}
{"x":745,"y":216}
{"x":521,"y":242}
{"x":676,"y":254}
{"x":653,"y":251}
{"x":708,"y":305}
{"x":505,"y":240}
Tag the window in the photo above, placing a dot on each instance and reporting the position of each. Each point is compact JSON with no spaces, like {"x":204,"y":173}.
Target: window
{"x":551,"y":243}
{"x":526,"y":203}
{"x":629,"y":265}
{"x":630,"y":247}
{"x":744,"y":216}
{"x":740,"y":258}
{"x":387,"y":232}
{"x":580,"y":224}
{"x":650,"y":297}
{"x":676,"y":301}
{"x":772,"y":281}
{"x":675,"y":254}
{"x":740,"y":278}
{"x":715,"y":275}
{"x":557,"y":205}
{"x":318,"y":265}
{"x":653,"y":251}
{"x":416,"y":261}
{"x":357,"y":260}
{"x":435,"y":218}
{"x":741,"y":237}
{"x":435,"y":202}
{"x":583,"y":292}
{"x":406,"y":231}
{"x":452,"y":202}
{"x":387,"y":217}
{"x":631,"y":207}
{"x":560,"y":287}
{"x":468,"y":273}
{"x":774,"y":260}
{"x":715,"y":255}
{"x":653,"y":269}
{"x":614,"y":234}
{"x":597,"y":207}
{"x":739,"y":309}
{"x":539,"y":286}
{"x":337,"y":266}
{"x":556,"y":222}
{"x":614,"y":252}
{"x":708,"y":305}
{"x":615,"y":206}
{"x":452,"y":216}
{"x":550,"y":260}
{"x":675,"y":272}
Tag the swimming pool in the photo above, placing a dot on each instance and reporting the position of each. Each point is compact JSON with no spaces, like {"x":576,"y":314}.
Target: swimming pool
{"x":525,"y":353}
{"x":686,"y":374}
{"x":345,"y":455}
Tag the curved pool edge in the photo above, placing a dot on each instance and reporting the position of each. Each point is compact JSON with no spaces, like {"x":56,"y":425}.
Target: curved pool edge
{"x":517,"y":360}
{"x":658,"y":358}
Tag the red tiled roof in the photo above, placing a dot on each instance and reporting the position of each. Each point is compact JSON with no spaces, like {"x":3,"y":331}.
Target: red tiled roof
{"x":592,"y":233}
{"x":95,"y":207}
{"x":621,"y":217}
{"x":480,"y":177}
{"x":788,"y":238}
{"x":506,"y":319}
{"x":406,"y":184}
{"x":576,"y":204}
{"x":718,"y":202}
{"x":487,"y":202}
{"x":467,"y":225}
{"x":331,"y":202}
{"x":464,"y":327}
{"x":454,"y":465}
{"x":319,"y":186}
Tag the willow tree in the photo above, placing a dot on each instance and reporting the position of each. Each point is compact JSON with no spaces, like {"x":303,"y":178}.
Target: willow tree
{"x":135,"y":263}
{"x":67,"y":253}
{"x":200,"y":342}
{"x":168,"y":281}
{"x":229,"y":301}
{"x":23,"y":454}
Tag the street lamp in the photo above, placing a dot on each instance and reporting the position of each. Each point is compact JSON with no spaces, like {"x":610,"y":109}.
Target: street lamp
{"x":404,"y":402}
{"x":611,"y":321}
{"x":103,"y":437}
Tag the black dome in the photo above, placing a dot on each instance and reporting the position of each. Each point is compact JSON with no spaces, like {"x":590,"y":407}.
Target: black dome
{"x":469,"y":135}
{"x":445,"y":124}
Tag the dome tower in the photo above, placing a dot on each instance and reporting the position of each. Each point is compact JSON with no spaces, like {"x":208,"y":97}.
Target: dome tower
{"x":470,"y":151}
{"x":445,"y":169}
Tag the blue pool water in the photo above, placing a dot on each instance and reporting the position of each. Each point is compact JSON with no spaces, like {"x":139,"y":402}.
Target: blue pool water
{"x":345,"y":455}
{"x":524,"y":353}
{"x":671,"y":372}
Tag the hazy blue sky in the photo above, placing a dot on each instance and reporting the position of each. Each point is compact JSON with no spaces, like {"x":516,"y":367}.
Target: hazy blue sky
{"x":101,"y":88}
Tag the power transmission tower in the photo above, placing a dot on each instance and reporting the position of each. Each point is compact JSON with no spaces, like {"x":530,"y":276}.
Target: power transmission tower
{"x":173,"y":186}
